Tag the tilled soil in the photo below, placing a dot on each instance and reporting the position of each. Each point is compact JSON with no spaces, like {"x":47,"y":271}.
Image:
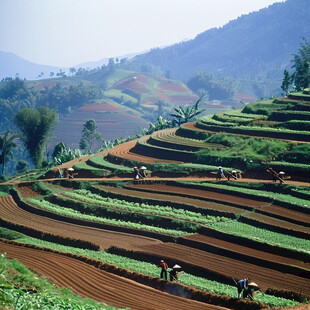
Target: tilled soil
{"x":267,"y":278}
{"x":239,"y":248}
{"x":178,"y":199}
{"x":221,"y":264}
{"x":26,"y":191}
{"x":89,"y":281}
{"x":273,"y":209}
{"x":11,"y":212}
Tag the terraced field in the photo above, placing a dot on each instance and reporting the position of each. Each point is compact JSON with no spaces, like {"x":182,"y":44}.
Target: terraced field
{"x":218,"y":232}
{"x":220,"y":257}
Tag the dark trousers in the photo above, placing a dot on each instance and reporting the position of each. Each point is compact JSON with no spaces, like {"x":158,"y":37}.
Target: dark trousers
{"x":163,"y":273}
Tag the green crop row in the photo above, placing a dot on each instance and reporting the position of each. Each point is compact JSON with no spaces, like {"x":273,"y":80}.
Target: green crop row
{"x":303,"y":203}
{"x":262,"y":235}
{"x":96,"y":171}
{"x":44,"y":204}
{"x":208,"y":120}
{"x":180,"y":214}
{"x":263,"y":108}
{"x":101,"y":163}
{"x":192,"y":133}
{"x":296,"y":125}
{"x":232,"y":119}
{"x":288,"y":167}
{"x":153,"y":270}
{"x":238,"y":113}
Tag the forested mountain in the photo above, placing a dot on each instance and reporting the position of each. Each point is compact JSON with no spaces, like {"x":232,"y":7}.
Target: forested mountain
{"x":255,"y":46}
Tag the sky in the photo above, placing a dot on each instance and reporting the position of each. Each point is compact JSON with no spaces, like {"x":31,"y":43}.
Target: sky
{"x":66,"y":33}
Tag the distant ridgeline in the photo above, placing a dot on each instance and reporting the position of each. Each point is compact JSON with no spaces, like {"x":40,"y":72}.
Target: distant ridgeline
{"x":254,"y":46}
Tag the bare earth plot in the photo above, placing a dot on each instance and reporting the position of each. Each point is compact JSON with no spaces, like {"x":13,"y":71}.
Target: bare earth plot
{"x":89,"y":281}
{"x":11,"y":212}
{"x":221,"y":264}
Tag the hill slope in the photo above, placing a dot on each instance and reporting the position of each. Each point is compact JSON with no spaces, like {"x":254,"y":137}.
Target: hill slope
{"x":12,"y":64}
{"x":257,"y":45}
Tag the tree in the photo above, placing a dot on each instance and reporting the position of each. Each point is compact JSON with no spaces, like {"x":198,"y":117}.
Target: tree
{"x":217,"y":87}
{"x":36,"y":127}
{"x":7,"y":144}
{"x":287,"y":81}
{"x":301,"y":63}
{"x":90,"y":134}
{"x":184,"y":114}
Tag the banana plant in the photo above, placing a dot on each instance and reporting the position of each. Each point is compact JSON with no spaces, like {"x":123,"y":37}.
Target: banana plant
{"x":185,"y":114}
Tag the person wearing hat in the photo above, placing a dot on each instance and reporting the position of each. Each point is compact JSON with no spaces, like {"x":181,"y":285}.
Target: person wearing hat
{"x":232,"y":174}
{"x":142,"y":172}
{"x":250,"y":291}
{"x":164,"y":267}
{"x":174,"y":272}
{"x":136,"y":173}
{"x":220,"y":173}
{"x":242,"y":285}
{"x":70,"y":173}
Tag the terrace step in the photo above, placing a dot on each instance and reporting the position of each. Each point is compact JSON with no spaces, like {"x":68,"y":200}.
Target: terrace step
{"x":167,"y":138}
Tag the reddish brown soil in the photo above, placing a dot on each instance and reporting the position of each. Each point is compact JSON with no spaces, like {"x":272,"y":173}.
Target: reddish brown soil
{"x":239,"y":248}
{"x":123,"y":151}
{"x":267,"y":278}
{"x":178,"y":199}
{"x":173,"y":87}
{"x":220,"y":197}
{"x":26,"y":191}
{"x":10,"y":212}
{"x":89,"y":281}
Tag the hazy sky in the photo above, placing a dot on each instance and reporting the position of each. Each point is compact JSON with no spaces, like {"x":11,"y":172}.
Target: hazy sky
{"x":70,"y":32}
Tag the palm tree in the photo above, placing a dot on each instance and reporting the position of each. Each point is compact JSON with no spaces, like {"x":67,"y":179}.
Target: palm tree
{"x":184,"y":114}
{"x":7,"y":144}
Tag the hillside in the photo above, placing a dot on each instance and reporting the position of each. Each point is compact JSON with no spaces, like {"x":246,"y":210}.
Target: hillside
{"x":102,"y":226}
{"x":254,"y":46}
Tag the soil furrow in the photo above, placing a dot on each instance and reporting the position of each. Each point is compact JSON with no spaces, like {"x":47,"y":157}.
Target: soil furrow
{"x":97,"y":284}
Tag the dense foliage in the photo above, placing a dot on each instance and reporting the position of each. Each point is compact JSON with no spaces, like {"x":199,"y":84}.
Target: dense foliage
{"x":210,"y":86}
{"x":36,"y":126}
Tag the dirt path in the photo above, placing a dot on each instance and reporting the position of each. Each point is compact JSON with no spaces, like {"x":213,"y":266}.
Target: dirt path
{"x":88,"y":281}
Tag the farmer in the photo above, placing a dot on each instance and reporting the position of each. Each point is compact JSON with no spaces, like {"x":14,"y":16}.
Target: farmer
{"x":242,"y":285}
{"x":220,"y":173}
{"x":70,"y":173}
{"x":232,"y":174}
{"x":142,"y":172}
{"x":164,"y":267}
{"x":275,"y":175}
{"x":174,"y":272}
{"x":250,"y":291}
{"x":136,"y":173}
